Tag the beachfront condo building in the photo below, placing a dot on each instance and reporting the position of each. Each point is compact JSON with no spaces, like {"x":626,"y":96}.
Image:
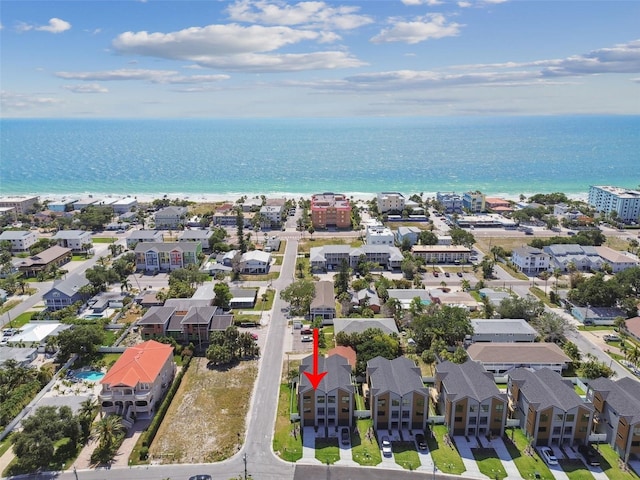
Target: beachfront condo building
{"x":625,"y":202}
{"x":330,"y":210}
{"x":390,"y":202}
{"x":450,"y":201}
{"x":474,"y":202}
{"x":20,"y":204}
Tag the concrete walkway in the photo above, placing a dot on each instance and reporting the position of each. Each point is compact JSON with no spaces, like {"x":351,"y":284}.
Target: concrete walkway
{"x":309,"y":446}
{"x":503,"y":454}
{"x":464,"y":448}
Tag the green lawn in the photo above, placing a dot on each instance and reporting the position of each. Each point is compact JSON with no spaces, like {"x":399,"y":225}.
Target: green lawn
{"x":287,"y":439}
{"x":445,"y":456}
{"x":365,"y":449}
{"x":575,"y":469}
{"x":610,"y":464}
{"x":21,"y":320}
{"x":104,"y":239}
{"x":489,"y":463}
{"x":327,"y":450}
{"x":405,"y":455}
{"x":527,"y":464}
{"x":6,"y":306}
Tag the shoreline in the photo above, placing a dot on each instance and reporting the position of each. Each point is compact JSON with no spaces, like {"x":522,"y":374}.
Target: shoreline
{"x":234,"y":196}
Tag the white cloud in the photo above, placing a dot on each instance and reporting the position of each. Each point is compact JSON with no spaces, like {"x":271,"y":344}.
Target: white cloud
{"x":431,"y":3}
{"x":311,"y":14}
{"x":432,"y":26}
{"x":86,"y":88}
{"x":235,"y":47}
{"x":19,"y":101}
{"x":55,"y":25}
{"x":464,"y":4}
{"x":153,"y":76}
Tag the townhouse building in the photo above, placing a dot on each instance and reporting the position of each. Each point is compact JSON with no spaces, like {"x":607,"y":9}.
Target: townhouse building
{"x":503,"y":330}
{"x":255,"y":262}
{"x":154,"y":256}
{"x":137,"y":382}
{"x":398,"y":400}
{"x":200,"y":236}
{"x":149,"y":236}
{"x":330,"y":210}
{"x":442,"y":253}
{"x":390,"y":202}
{"x":169,"y":218}
{"x":618,"y":261}
{"x":530,"y":260}
{"x":549,"y":409}
{"x":567,"y":256}
{"x":625,"y":202}
{"x":20,"y":240}
{"x":323,"y":304}
{"x":330,"y":257}
{"x":450,"y":201}
{"x":469,"y":399}
{"x":500,"y":357}
{"x":76,"y":240}
{"x":332,"y":404}
{"x":474,"y":201}
{"x":617,"y":413}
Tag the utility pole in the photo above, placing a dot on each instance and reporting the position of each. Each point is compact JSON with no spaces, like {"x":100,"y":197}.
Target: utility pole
{"x":244,"y":459}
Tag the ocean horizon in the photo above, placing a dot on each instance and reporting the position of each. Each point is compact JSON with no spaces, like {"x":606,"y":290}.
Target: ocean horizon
{"x":505,"y":156}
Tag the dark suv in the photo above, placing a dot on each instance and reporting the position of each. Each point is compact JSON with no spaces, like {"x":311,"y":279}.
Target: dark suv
{"x":591,"y":456}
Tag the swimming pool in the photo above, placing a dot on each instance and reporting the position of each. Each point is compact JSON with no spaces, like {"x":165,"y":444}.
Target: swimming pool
{"x":90,"y":375}
{"x":93,"y":315}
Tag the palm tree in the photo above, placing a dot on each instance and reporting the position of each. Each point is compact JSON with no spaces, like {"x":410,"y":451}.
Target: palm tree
{"x":557,"y":273}
{"x":545,"y":275}
{"x":107,"y":430}
{"x":88,"y":408}
{"x":125,"y":285}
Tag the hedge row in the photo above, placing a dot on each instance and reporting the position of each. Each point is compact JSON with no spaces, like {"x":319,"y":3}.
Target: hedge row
{"x":150,"y":434}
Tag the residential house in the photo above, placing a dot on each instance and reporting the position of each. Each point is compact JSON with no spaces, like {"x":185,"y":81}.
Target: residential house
{"x":52,"y":257}
{"x":617,"y":413}
{"x":450,"y":201}
{"x":20,"y":240}
{"x":566,"y":256}
{"x":170,"y":218}
{"x":366,"y":298}
{"x":63,"y":205}
{"x":19,"y":356}
{"x":549,"y":409}
{"x":330,"y":210}
{"x":139,"y":236}
{"x":632,"y":327}
{"x":243,"y":297}
{"x":330,"y":257}
{"x":502,"y":330}
{"x":83,"y":203}
{"x":21,"y":204}
{"x":358,"y":325}
{"x":332,"y":403}
{"x":618,"y":261}
{"x":530,"y":260}
{"x":76,"y":240}
{"x":251,"y":204}
{"x":410,"y":235}
{"x":155,"y":321}
{"x":442,"y":253}
{"x":323,"y":304}
{"x":625,"y":202}
{"x":398,"y":399}
{"x":494,"y":296}
{"x":255,"y":262}
{"x":498,"y":205}
{"x":186,"y":320}
{"x":272,"y":215}
{"x":596,"y":315}
{"x":501,"y":358}
{"x":226,"y":215}
{"x":347,"y":352}
{"x":390,"y":202}
{"x":137,"y":382}
{"x":66,"y":292}
{"x":487,"y":220}
{"x":474,"y":201}
{"x":408,"y":295}
{"x":469,"y":399}
{"x":454,"y":299}
{"x":154,"y":256}
{"x":200,"y":236}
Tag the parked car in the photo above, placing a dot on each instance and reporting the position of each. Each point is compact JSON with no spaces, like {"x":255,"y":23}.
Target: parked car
{"x":459,"y":274}
{"x":386,"y":446}
{"x":254,"y":336}
{"x":436,"y":274}
{"x":422,"y":445}
{"x":345,"y":437}
{"x":307,"y":338}
{"x":200,"y":477}
{"x":590,"y":455}
{"x":611,"y":338}
{"x":447,"y":274}
{"x":548,"y":456}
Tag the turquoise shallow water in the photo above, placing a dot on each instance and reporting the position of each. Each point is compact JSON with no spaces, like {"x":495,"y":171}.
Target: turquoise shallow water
{"x":498,"y":155}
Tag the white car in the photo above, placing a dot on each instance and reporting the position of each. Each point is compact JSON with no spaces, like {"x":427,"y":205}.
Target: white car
{"x":548,"y":456}
{"x":386,"y":446}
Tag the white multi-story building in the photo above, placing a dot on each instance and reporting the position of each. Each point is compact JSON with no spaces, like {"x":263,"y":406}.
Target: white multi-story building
{"x":625,"y":202}
{"x":530,"y":260}
{"x":20,"y":240}
{"x":377,"y":235}
{"x":273,"y":214}
{"x":451,"y":201}
{"x":20,"y":204}
{"x":76,"y":240}
{"x":390,"y":201}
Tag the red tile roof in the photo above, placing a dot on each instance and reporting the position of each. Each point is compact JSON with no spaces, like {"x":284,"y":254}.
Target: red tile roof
{"x":633,"y":326}
{"x":346,"y":352}
{"x":141,"y":363}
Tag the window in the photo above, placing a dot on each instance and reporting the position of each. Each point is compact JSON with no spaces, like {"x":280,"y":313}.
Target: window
{"x":307,"y":410}
{"x":395,"y":402}
{"x":636,"y":431}
{"x":556,"y":430}
{"x":394,"y":414}
{"x":345,"y":410}
{"x":473,"y":420}
{"x":321,"y":411}
{"x":419,"y":413}
{"x":420,"y":402}
{"x":568,"y":430}
{"x":483,"y":420}
{"x":582,"y":429}
{"x":406,"y":401}
{"x":635,"y":444}
{"x":320,"y":399}
{"x":499,"y":407}
{"x":382,"y":402}
{"x":306,"y":399}
{"x":559,"y":416}
{"x":542,"y":429}
{"x":457,"y":419}
{"x":345,"y":399}
{"x":570,"y":417}
{"x":484,"y":408}
{"x":458,"y":408}
{"x":382,"y":413}
{"x":544,"y":417}
{"x":405,"y":414}
{"x":472,"y":408}
{"x":332,"y":411}
{"x":331,"y":399}
{"x":585,"y":417}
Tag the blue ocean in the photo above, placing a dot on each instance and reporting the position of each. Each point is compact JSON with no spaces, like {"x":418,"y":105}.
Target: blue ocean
{"x":497,"y":155}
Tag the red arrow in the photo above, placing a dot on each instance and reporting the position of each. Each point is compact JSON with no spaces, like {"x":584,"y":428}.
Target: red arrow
{"x":315,"y":378}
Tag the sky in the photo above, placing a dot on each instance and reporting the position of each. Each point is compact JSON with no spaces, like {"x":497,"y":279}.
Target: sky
{"x":272,"y":58}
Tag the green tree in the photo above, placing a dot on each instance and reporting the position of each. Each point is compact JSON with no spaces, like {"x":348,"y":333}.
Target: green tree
{"x":528,"y":307}
{"x":460,"y":236}
{"x":487,"y":266}
{"x":109,"y":432}
{"x":299,"y":294}
{"x":593,"y":368}
{"x":427,"y":237}
{"x":83,"y":340}
{"x":223,"y":295}
{"x":343,"y":277}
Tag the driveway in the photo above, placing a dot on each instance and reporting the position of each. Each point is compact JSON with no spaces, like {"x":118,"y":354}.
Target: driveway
{"x":464,"y":448}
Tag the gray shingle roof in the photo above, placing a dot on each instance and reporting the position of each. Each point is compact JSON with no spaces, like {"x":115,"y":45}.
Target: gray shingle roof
{"x":199,"y":315}
{"x":623,"y":396}
{"x":359,"y":325}
{"x":338,"y":373}
{"x":501,"y":325}
{"x":469,"y":379}
{"x":15,"y":234}
{"x":400,"y":376}
{"x":545,"y":388}
{"x":157,"y":316}
{"x":324,"y":295}
{"x":71,"y":284}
